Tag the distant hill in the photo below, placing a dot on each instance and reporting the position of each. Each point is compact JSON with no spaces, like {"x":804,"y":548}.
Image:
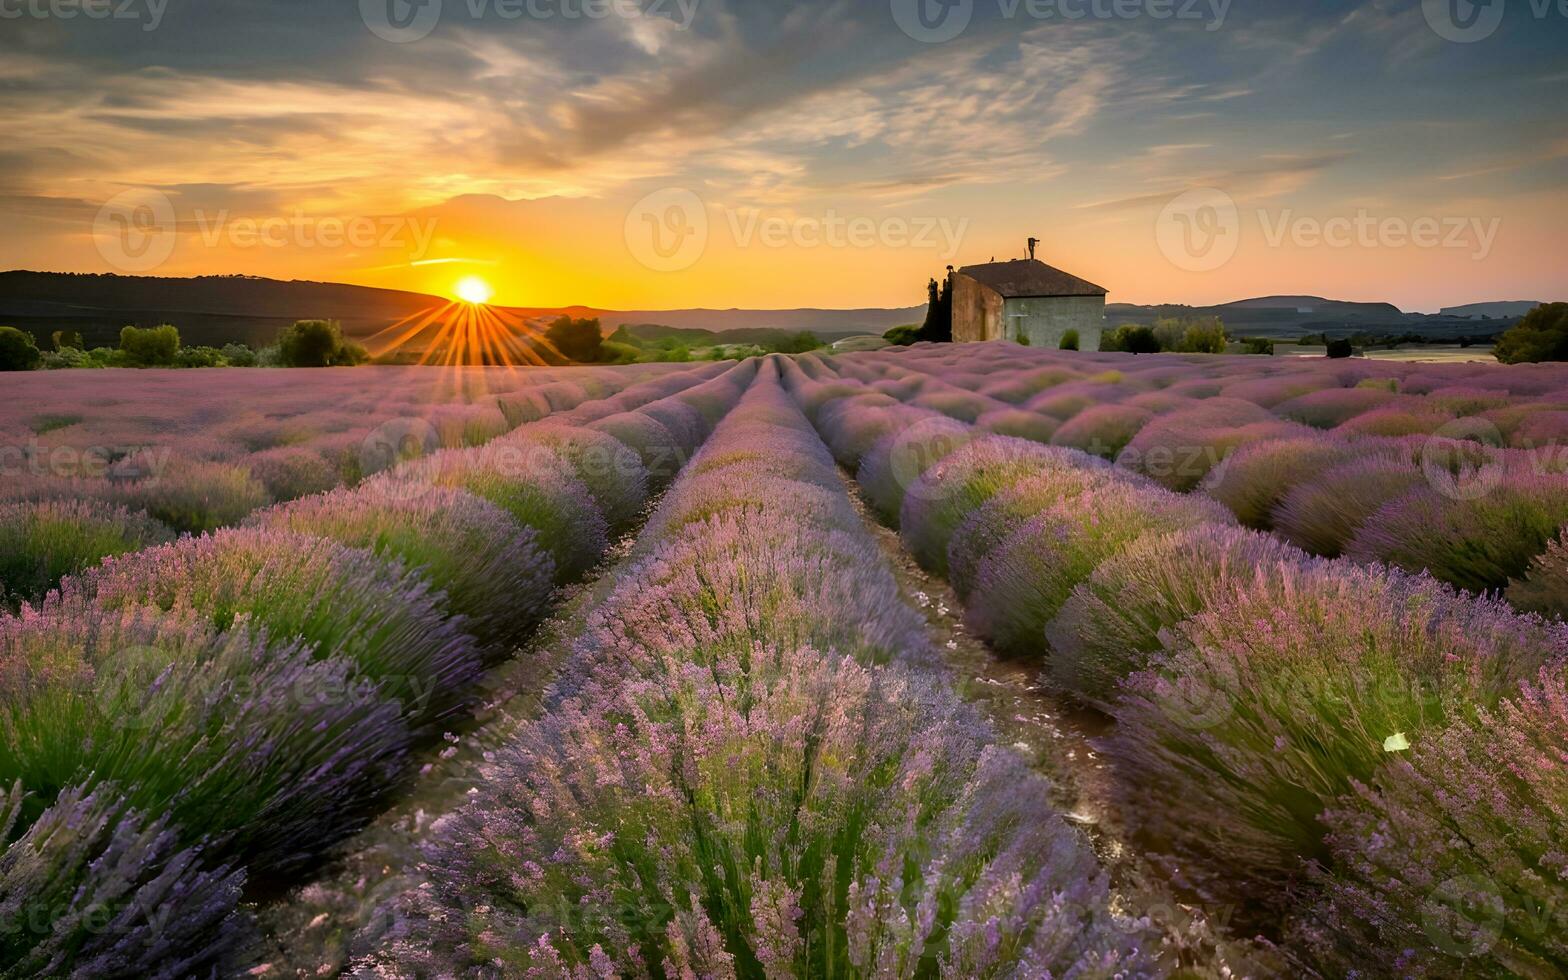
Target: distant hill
{"x":220,"y":309}
{"x":1294,"y":316}
{"x":1511,"y":308}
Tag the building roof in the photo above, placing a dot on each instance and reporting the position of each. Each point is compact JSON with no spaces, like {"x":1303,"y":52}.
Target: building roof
{"x":1025,"y":278}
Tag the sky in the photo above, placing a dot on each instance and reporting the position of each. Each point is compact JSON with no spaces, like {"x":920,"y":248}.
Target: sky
{"x":660,"y":154}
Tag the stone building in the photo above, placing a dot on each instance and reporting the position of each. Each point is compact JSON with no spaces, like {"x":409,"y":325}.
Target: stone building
{"x":1027,"y":301}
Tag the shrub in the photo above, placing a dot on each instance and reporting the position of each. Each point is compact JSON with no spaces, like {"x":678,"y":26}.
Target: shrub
{"x":18,"y":350}
{"x":1392,"y":420}
{"x":1254,"y":479}
{"x":548,"y":499}
{"x":613,"y":474}
{"x":958,"y":404}
{"x":576,"y":339}
{"x":199,"y":357}
{"x":1542,"y":335}
{"x":1339,"y":349}
{"x":1069,"y":340}
{"x":993,"y":522}
{"x":1130,"y":338}
{"x":1544,"y":587}
{"x":1258,"y":345}
{"x":1327,"y":408}
{"x":952,"y":487}
{"x":1018,"y":423}
{"x":238,"y":355}
{"x":1179,"y":449}
{"x":149,"y":347}
{"x":317,"y":343}
{"x":488,"y":565}
{"x":1021,"y":585}
{"x":1104,"y":430}
{"x":290,"y":472}
{"x":1323,"y":512}
{"x":1478,"y":540}
{"x":1266,"y":707}
{"x":1112,"y":624}
{"x":898,"y":459}
{"x":102,"y":890}
{"x":662,"y":454}
{"x":42,"y":542}
{"x":1449,"y":862}
{"x":187,"y":495}
{"x":344,"y":601}
{"x":269,"y":752}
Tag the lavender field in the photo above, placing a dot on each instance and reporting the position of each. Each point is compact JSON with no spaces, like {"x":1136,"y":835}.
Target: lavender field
{"x":957,"y":661}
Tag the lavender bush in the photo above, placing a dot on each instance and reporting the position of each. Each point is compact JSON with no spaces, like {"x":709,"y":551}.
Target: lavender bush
{"x":1449,"y":863}
{"x":542,"y":496}
{"x":1544,"y":587}
{"x":1113,"y":623}
{"x":488,"y":566}
{"x":1256,"y":477}
{"x":42,"y":542}
{"x":1265,"y":708}
{"x":271,"y":752}
{"x":1021,"y":585}
{"x":1323,"y":512}
{"x":94,"y":888}
{"x":1479,"y":539}
{"x":345,"y":602}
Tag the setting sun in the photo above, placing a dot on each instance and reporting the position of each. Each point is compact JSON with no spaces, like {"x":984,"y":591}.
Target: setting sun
{"x":472,"y":289}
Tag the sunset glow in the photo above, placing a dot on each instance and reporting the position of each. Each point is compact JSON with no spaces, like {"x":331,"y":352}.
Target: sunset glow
{"x":472,"y":289}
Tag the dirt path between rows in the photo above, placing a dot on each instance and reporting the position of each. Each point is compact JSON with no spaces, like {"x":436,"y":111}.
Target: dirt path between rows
{"x":1057,"y":736}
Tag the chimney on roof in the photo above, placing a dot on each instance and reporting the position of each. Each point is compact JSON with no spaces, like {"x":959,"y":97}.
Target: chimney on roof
{"x":1032,"y":243}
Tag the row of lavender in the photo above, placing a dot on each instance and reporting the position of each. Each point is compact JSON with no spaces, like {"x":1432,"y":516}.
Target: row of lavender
{"x":156,"y":454}
{"x":1460,"y":470}
{"x":752,"y":766}
{"x":1362,"y":761}
{"x":211,"y":715}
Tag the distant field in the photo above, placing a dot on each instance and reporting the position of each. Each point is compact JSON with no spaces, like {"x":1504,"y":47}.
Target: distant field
{"x":1414,"y":355}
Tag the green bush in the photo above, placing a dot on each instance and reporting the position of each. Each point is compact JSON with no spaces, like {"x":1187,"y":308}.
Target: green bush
{"x":1541,"y":336}
{"x":18,"y":352}
{"x":238,"y":355}
{"x":63,"y":339}
{"x":578,"y":340}
{"x":199,"y":357}
{"x":1258,"y":345}
{"x":1340,"y":349}
{"x":67,"y":357}
{"x":1131,"y":338}
{"x":1069,"y":340}
{"x":150,"y":346}
{"x":903,"y":336}
{"x":317,"y":343}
